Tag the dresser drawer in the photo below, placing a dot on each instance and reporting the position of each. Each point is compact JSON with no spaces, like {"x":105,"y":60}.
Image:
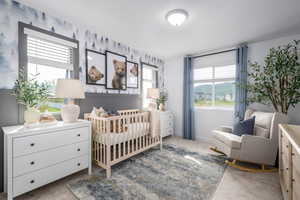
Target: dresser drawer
{"x":167,"y":132}
{"x":167,"y":116}
{"x":285,"y":170}
{"x":28,"y":182}
{"x":36,"y":161}
{"x":296,"y":184}
{"x":296,"y":160}
{"x":167,"y":124}
{"x":36,"y":143}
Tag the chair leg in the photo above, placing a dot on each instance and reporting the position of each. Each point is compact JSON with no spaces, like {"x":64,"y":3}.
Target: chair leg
{"x":108,"y":172}
{"x":216,"y":150}
{"x":248,"y":169}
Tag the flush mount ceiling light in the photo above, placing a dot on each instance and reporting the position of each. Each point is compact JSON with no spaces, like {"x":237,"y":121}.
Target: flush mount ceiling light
{"x":177,"y":17}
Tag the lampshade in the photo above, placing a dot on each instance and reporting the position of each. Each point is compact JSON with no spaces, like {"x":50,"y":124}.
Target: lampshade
{"x":69,"y":88}
{"x":152,"y":93}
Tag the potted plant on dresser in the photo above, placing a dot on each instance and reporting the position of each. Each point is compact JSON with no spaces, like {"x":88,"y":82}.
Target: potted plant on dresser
{"x":161,"y":101}
{"x":31,"y":94}
{"x":277,"y":82}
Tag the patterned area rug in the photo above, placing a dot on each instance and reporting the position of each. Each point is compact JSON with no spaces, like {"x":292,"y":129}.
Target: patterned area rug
{"x":171,"y":174}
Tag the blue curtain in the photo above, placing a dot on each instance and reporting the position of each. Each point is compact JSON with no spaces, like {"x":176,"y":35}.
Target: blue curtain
{"x":188,"y":108}
{"x":241,"y":81}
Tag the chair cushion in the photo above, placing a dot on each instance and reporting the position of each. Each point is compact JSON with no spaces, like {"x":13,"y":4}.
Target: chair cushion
{"x":245,"y":127}
{"x":229,"y":139}
{"x":263,"y":121}
{"x":262,"y":132}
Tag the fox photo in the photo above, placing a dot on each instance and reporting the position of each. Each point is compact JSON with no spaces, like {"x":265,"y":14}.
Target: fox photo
{"x":116,"y":67}
{"x":132,"y":74}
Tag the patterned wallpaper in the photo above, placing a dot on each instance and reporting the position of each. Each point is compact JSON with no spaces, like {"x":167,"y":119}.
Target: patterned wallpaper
{"x":11,"y":12}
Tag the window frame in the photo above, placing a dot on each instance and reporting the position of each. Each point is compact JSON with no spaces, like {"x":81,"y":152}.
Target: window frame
{"x":213,"y":80}
{"x":154,"y":83}
{"x":23,"y":59}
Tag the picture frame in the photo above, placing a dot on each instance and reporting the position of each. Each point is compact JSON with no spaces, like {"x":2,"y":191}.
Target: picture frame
{"x":95,"y":67}
{"x":132,"y":75}
{"x":116,"y":68}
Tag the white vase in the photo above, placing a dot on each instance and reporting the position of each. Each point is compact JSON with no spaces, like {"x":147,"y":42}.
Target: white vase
{"x":162,"y":107}
{"x":31,"y":115}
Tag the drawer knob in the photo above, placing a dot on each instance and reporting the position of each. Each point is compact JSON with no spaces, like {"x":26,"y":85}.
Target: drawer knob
{"x":287,"y":168}
{"x":287,"y":146}
{"x":32,"y":144}
{"x":32,"y":162}
{"x":293,"y":154}
{"x":78,"y":164}
{"x":32,"y":181}
{"x":78,"y":149}
{"x":293,"y":180}
{"x":78,"y":134}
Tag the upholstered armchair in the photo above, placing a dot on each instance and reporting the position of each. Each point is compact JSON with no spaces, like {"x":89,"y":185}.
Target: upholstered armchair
{"x":260,"y":148}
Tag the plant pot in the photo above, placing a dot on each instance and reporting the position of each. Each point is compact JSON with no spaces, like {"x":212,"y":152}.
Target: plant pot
{"x":31,"y":115}
{"x":162,"y":107}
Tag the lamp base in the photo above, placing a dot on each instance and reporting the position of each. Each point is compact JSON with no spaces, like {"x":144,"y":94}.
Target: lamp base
{"x":70,"y":112}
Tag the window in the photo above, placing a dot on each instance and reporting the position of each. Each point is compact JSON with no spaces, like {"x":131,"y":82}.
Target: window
{"x":149,"y":74}
{"x":49,"y":57}
{"x":214,"y":81}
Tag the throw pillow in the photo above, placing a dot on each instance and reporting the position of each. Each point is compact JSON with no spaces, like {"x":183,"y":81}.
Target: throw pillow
{"x":245,"y":127}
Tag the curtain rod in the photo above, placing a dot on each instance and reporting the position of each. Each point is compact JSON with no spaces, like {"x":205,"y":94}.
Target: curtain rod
{"x":219,"y":52}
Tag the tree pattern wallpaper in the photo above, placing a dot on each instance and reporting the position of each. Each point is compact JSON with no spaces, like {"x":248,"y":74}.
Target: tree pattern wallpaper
{"x":11,"y":12}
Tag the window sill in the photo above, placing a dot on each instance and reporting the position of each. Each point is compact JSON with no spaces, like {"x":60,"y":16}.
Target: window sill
{"x":214,"y":108}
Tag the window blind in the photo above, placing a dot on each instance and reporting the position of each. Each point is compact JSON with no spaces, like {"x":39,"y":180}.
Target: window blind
{"x":44,"y":50}
{"x":222,"y":59}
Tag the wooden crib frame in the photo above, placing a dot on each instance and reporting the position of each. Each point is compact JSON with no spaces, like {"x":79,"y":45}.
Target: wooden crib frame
{"x":108,"y":152}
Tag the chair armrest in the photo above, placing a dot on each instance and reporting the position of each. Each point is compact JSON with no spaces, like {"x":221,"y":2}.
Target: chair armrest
{"x":227,"y":129}
{"x":254,"y":140}
{"x":257,"y":149}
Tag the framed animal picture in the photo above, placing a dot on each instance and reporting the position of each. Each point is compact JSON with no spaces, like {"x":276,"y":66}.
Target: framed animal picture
{"x":95,"y":68}
{"x":132,"y":75}
{"x":116,"y":68}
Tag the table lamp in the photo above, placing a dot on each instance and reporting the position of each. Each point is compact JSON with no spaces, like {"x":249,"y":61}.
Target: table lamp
{"x":153,"y":95}
{"x":69,"y":89}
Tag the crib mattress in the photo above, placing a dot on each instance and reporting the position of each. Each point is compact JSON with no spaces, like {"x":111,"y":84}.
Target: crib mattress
{"x":133,"y":130}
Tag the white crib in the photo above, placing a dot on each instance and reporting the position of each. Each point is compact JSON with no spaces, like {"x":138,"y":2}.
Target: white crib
{"x":119,"y":137}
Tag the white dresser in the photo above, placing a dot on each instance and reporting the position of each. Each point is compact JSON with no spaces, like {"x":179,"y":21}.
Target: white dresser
{"x":289,"y":161}
{"x":166,"y":123}
{"x":37,"y":156}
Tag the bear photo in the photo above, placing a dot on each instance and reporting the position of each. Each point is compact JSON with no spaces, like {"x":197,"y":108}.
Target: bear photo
{"x":116,"y":68}
{"x":95,"y":68}
{"x":118,"y":81}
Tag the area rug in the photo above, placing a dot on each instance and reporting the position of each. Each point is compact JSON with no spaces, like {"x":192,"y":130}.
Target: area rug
{"x":171,"y":174}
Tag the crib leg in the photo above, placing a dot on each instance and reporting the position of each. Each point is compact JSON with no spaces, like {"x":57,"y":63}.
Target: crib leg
{"x":161,"y":144}
{"x":108,"y":172}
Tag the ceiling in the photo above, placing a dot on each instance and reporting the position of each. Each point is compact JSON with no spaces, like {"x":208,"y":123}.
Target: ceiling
{"x":212,"y":24}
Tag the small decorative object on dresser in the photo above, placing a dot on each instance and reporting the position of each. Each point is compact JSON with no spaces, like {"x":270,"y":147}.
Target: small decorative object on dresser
{"x":289,"y":161}
{"x":36,"y":157}
{"x":70,"y":89}
{"x":161,"y":101}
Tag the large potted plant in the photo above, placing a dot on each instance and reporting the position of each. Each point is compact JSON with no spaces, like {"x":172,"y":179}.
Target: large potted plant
{"x":31,"y":94}
{"x":277,"y":82}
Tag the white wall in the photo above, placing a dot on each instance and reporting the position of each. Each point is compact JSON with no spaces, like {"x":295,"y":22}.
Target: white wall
{"x":206,"y":120}
{"x":174,"y":85}
{"x":257,"y":52}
